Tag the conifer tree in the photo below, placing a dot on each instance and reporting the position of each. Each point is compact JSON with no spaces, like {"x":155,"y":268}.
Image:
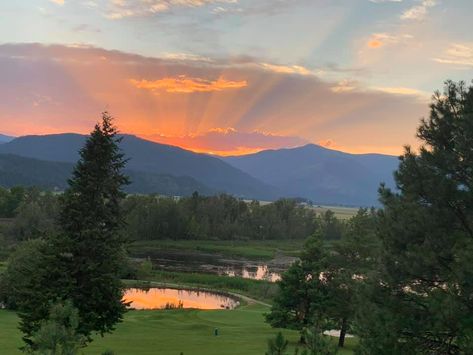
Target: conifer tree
{"x":420,"y":301}
{"x":91,"y":220}
{"x":82,"y":263}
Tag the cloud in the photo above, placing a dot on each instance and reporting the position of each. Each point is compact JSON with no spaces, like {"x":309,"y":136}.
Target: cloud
{"x":327,"y":143}
{"x":287,"y":69}
{"x":403,"y":91}
{"x":119,"y":9}
{"x":418,"y":12}
{"x":72,"y":85}
{"x":458,"y":54}
{"x":187,"y":57}
{"x":344,"y":86}
{"x":229,"y":141}
{"x":378,"y":40}
{"x":85,"y":28}
{"x":185,"y":85}
{"x":381,"y":1}
{"x":58,"y":2}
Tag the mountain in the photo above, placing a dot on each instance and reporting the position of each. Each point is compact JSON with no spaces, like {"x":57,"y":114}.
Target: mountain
{"x":5,"y":139}
{"x":149,"y":157}
{"x":16,"y":170}
{"x":323,"y":175}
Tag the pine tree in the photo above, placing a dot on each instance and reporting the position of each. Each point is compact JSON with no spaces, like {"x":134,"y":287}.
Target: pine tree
{"x":91,"y":220}
{"x":83,"y":262}
{"x":421,"y":300}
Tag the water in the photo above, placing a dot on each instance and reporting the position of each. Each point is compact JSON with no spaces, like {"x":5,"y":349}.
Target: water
{"x":215,"y":264}
{"x":167,"y":298}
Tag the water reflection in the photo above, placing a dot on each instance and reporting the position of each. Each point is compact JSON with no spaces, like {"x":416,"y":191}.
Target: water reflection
{"x":192,"y":262}
{"x":168,"y":298}
{"x":260,"y":272}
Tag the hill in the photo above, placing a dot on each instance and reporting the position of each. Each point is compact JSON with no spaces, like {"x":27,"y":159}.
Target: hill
{"x":16,"y":170}
{"x":149,"y":157}
{"x":323,"y":175}
{"x":5,"y":139}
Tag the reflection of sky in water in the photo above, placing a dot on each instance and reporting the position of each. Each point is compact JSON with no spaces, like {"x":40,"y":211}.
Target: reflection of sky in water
{"x":215,"y":264}
{"x":157,"y":298}
{"x":260,"y":272}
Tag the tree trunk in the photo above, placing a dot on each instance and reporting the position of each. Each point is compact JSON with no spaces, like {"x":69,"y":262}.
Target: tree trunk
{"x":343,"y":332}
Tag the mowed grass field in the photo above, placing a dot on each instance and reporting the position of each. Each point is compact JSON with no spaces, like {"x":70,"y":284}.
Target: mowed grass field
{"x":172,"y":332}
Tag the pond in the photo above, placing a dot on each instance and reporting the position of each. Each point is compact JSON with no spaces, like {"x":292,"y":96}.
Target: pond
{"x":215,"y":264}
{"x":169,"y":298}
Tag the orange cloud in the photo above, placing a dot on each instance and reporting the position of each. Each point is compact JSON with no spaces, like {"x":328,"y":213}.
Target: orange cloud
{"x":313,"y":109}
{"x":375,"y":43}
{"x":378,"y":40}
{"x":183,"y":84}
{"x":228,"y":141}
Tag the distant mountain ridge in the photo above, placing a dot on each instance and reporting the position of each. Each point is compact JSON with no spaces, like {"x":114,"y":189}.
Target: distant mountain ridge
{"x":16,"y":170}
{"x":149,"y":157}
{"x":5,"y":139}
{"x":323,"y":175}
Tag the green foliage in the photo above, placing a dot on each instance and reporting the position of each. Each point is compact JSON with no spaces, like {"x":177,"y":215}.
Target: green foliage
{"x":58,"y":335}
{"x":10,"y":200}
{"x":278,"y":345}
{"x":221,"y":217}
{"x":316,"y":343}
{"x":419,"y":299}
{"x":23,"y":275}
{"x":302,"y":290}
{"x":329,"y":227}
{"x":84,"y":260}
{"x":322,"y":287}
{"x":35,"y":216}
{"x":145,"y":269}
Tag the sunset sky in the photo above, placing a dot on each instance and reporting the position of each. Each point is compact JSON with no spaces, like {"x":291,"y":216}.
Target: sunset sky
{"x":232,"y":76}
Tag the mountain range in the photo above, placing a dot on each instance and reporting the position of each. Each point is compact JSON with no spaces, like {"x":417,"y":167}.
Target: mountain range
{"x":16,"y":170}
{"x":5,"y":139}
{"x":146,"y":157}
{"x":323,"y":175}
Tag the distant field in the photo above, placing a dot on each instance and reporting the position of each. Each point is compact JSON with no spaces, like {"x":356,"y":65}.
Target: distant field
{"x":191,"y":332}
{"x":340,"y":212}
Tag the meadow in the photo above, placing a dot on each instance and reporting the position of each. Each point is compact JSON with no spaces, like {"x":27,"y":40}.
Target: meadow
{"x":174,"y":332}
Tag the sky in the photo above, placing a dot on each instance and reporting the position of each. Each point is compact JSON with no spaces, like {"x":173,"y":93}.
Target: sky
{"x":232,"y":77}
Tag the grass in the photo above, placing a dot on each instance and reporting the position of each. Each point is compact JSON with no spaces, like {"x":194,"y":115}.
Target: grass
{"x":252,"y":250}
{"x":170,"y":332}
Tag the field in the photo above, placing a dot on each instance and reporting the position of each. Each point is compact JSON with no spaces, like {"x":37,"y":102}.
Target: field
{"x":172,"y":332}
{"x":340,"y":212}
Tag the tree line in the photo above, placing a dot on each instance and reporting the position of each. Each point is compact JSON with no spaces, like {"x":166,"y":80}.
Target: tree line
{"x":34,"y":214}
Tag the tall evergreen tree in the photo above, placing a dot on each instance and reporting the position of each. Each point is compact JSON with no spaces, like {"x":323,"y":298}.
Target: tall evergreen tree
{"x":421,"y":301}
{"x":91,"y":220}
{"x":83,"y":262}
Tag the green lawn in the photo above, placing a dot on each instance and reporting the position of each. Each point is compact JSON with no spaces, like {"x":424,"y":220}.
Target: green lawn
{"x":242,"y":331}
